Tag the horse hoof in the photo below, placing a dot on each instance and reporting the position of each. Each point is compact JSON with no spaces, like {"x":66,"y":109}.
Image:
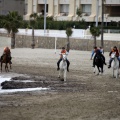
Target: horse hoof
{"x":62,"y":79}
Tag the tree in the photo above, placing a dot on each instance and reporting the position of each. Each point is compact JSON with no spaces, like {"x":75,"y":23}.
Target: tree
{"x":78,"y":12}
{"x":68,"y":33}
{"x":95,"y":31}
{"x":12,"y":22}
{"x":33,"y":17}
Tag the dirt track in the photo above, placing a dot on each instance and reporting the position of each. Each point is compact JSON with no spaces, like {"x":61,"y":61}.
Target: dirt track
{"x":84,"y":96}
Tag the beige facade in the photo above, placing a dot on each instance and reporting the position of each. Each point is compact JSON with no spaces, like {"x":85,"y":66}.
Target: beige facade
{"x":66,"y":9}
{"x":12,"y":5}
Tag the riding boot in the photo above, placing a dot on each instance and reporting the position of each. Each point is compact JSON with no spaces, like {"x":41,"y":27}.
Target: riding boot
{"x":109,"y":66}
{"x":93,"y":62}
{"x":68,"y":63}
{"x":58,"y":68}
{"x":58,"y":63}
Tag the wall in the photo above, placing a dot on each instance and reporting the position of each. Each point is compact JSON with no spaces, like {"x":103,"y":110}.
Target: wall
{"x":23,"y":41}
{"x":5,"y":41}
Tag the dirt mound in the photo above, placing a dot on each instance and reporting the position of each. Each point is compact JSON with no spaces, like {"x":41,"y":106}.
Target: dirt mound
{"x":48,"y":82}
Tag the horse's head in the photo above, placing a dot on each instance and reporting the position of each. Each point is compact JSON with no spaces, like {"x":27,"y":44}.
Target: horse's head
{"x":64,"y":57}
{"x":113,"y":55}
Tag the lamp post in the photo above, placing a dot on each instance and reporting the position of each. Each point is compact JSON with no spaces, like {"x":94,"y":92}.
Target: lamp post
{"x":45,"y":17}
{"x":97,"y":10}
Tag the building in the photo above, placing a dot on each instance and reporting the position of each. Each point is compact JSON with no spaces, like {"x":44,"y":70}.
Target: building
{"x":12,"y":5}
{"x":66,"y":9}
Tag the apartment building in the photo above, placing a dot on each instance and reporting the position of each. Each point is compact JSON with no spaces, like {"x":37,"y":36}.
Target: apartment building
{"x":12,"y":5}
{"x":66,"y":9}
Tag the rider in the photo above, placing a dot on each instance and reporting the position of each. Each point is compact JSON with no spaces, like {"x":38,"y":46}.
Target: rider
{"x":114,"y":50}
{"x":63,"y":51}
{"x":95,"y":48}
{"x":98,"y":52}
{"x":8,"y":52}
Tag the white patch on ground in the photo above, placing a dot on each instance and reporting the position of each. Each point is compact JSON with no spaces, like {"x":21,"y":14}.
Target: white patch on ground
{"x":17,"y":90}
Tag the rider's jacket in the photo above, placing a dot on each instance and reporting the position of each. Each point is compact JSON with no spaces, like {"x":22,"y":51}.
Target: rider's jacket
{"x":116,"y":51}
{"x":63,"y":52}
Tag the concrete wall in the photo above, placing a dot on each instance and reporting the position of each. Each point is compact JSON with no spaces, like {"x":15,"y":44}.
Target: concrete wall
{"x":5,"y":41}
{"x":23,"y":41}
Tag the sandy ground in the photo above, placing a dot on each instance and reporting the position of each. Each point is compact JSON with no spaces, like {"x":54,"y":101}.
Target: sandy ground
{"x":84,"y":96}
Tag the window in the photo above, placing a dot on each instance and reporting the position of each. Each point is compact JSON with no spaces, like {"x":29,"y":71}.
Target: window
{"x":64,"y":8}
{"x":86,"y":8}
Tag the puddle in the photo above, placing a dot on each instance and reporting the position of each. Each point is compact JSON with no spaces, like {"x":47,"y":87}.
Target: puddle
{"x":18,"y":90}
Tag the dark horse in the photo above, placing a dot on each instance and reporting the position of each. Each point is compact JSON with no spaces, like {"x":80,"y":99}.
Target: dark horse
{"x":5,"y":59}
{"x":99,"y":63}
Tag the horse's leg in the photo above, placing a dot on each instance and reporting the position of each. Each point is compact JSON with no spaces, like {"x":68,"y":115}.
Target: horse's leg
{"x":6,"y":67}
{"x":98,"y":70}
{"x":94,"y":70}
{"x":59,"y":74}
{"x":113,"y":73}
{"x":10,"y":66}
{"x":62,"y":74}
{"x":102,"y":69}
{"x":117,"y":73}
{"x":1,"y":66}
{"x":65,"y":71}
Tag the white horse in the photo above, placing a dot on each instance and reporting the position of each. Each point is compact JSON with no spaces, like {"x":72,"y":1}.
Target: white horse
{"x":115,"y":65}
{"x":63,"y":67}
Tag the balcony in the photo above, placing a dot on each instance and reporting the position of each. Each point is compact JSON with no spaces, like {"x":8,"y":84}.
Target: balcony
{"x":112,"y":2}
{"x":86,"y":1}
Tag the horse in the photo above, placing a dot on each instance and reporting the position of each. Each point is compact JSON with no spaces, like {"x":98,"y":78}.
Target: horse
{"x":63,"y":68}
{"x":5,"y":59}
{"x":99,"y":63}
{"x":115,"y":65}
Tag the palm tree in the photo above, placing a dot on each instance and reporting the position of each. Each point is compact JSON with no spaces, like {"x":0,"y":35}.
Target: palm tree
{"x":95,"y":31}
{"x":68,"y":33}
{"x":33,"y":17}
{"x":12,"y":22}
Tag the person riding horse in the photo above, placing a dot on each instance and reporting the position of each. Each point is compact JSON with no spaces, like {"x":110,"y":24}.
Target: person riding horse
{"x":8,"y":53}
{"x":63,"y":51}
{"x":94,"y":51}
{"x":98,"y":53}
{"x":114,"y":50}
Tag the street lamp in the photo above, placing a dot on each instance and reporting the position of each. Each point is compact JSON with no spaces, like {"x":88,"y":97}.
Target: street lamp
{"x":97,"y":10}
{"x":45,"y":16}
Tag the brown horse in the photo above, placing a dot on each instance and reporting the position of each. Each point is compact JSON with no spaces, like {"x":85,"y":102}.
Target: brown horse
{"x":6,"y":59}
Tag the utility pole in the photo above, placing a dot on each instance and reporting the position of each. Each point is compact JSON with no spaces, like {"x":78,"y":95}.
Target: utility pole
{"x":45,"y":17}
{"x":97,"y":11}
{"x":102,"y":24}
